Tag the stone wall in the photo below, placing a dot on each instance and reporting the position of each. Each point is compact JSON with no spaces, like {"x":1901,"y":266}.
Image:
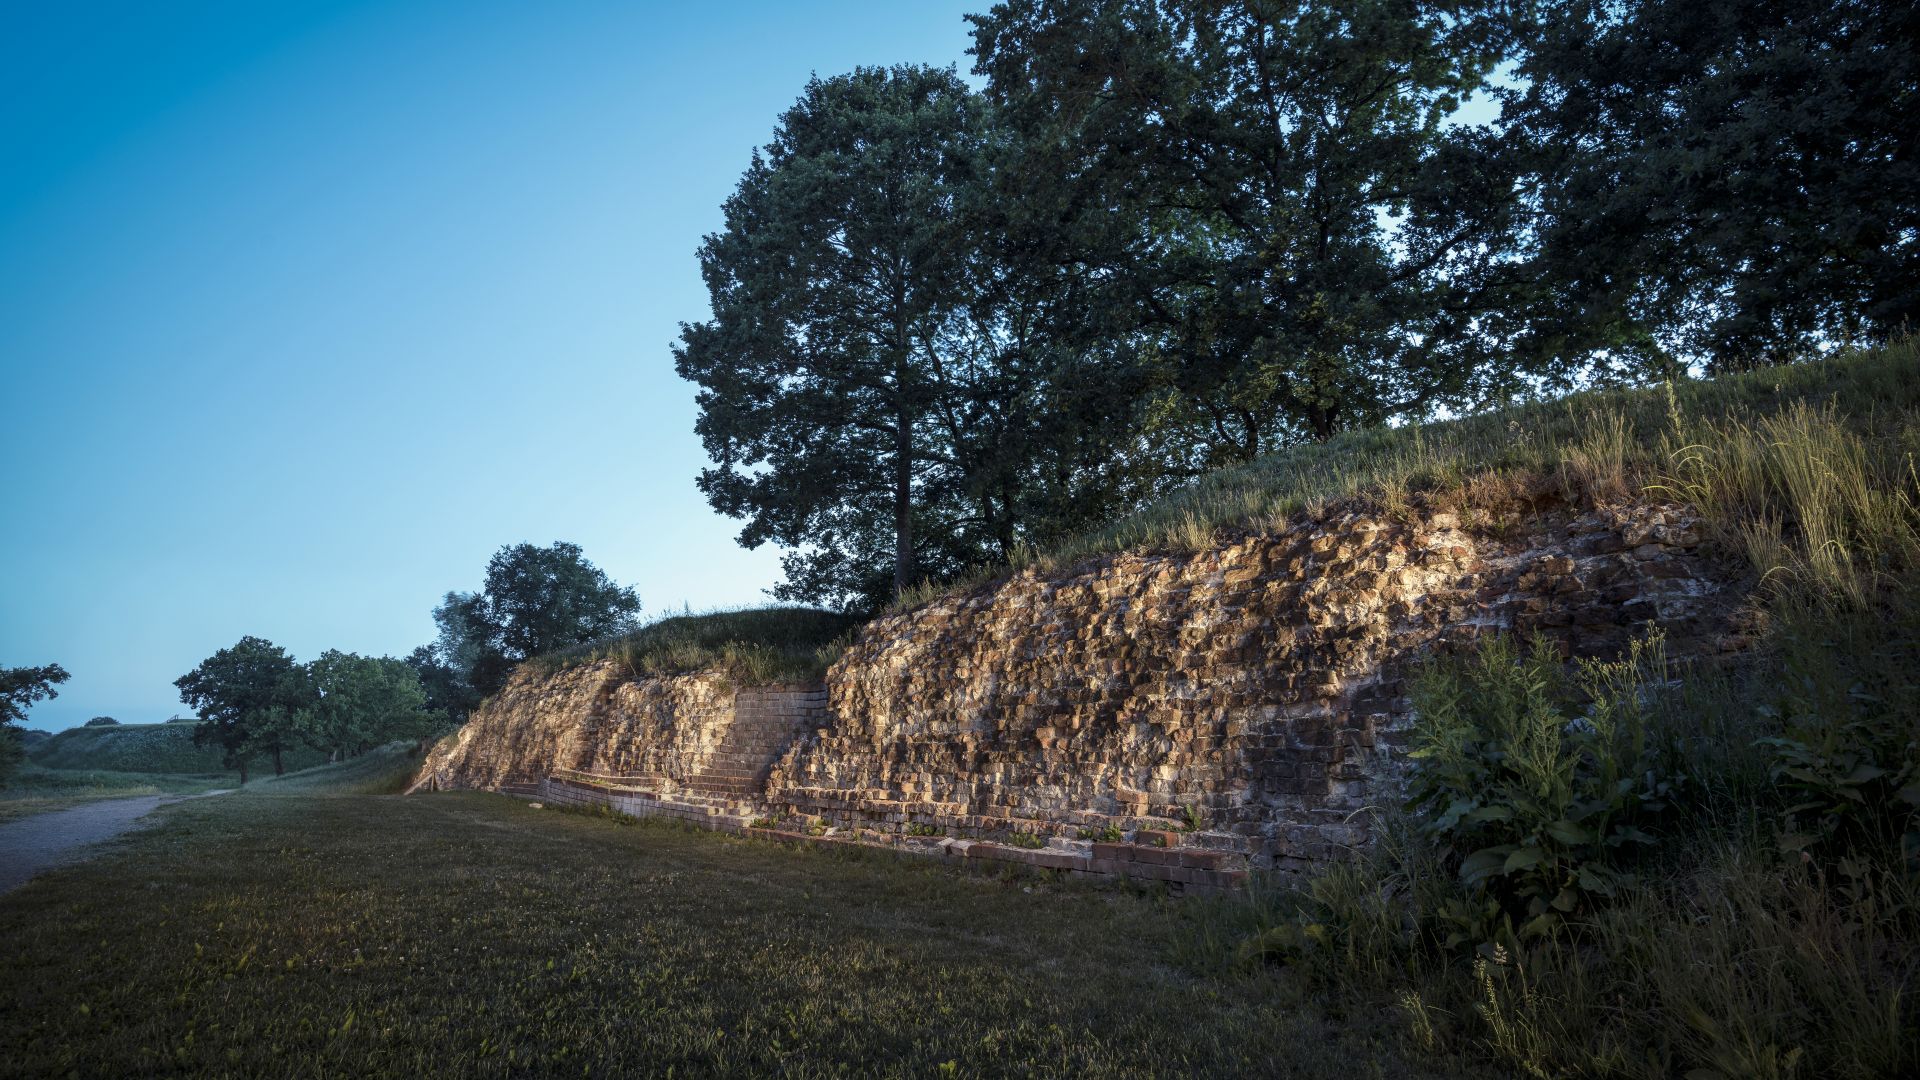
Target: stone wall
{"x":1244,"y":703}
{"x":694,"y":738}
{"x":1251,"y":695}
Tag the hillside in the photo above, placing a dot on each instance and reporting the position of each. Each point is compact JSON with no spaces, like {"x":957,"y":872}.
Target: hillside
{"x":142,"y":748}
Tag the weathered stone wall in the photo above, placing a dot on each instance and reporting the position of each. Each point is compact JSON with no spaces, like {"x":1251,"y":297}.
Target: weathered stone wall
{"x":687,"y":736}
{"x":1254,"y":690}
{"x":1244,"y":703}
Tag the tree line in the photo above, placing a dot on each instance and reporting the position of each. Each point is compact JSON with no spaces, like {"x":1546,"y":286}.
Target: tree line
{"x":254,"y":699}
{"x":1169,"y":235}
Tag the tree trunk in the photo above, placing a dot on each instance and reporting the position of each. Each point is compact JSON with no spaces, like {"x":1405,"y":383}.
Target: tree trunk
{"x":278,"y":769}
{"x":903,"y":569}
{"x":243,"y":772}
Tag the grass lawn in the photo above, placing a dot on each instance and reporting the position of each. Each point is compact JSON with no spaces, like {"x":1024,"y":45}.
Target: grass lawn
{"x":264,"y":934}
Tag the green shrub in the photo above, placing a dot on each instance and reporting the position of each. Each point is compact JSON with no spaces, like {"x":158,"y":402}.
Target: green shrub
{"x":1540,"y":788}
{"x":1030,"y":841}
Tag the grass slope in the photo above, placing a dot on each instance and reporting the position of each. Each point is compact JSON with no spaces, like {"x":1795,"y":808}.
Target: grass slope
{"x":34,"y":790}
{"x":1606,"y":443}
{"x":384,"y":770}
{"x":467,"y":934}
{"x":149,"y":748}
{"x":754,"y":647}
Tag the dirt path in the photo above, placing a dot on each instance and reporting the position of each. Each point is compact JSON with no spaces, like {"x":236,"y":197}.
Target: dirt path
{"x":43,"y":841}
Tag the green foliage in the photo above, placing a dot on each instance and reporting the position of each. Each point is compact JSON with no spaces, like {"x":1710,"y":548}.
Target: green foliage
{"x":535,"y":601}
{"x":20,"y":688}
{"x":1540,"y":789}
{"x":360,"y":702}
{"x":248,"y":696}
{"x":1727,"y":180}
{"x":920,"y":828}
{"x":1847,"y":756}
{"x":1030,"y":841}
{"x":753,"y":647}
{"x":1106,"y":834}
{"x":101,"y":721}
{"x":1306,"y":244}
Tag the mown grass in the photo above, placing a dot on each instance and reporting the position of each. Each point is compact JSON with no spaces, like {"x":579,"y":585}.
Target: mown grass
{"x":384,"y":770}
{"x":33,"y":789}
{"x":154,"y":748}
{"x":1595,"y":445}
{"x":467,"y":934}
{"x":753,"y":647}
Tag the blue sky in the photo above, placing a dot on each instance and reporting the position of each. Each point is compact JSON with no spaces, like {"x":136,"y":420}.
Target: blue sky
{"x":305,"y":309}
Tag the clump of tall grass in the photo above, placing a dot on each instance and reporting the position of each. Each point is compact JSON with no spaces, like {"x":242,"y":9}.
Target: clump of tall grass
{"x":751,"y":647}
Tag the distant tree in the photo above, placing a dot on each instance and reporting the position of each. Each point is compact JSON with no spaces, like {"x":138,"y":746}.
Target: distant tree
{"x":447,"y":694}
{"x":20,"y":689}
{"x":248,"y":696}
{"x":102,"y":721}
{"x":360,"y":702}
{"x":1737,"y":183}
{"x":536,"y":600}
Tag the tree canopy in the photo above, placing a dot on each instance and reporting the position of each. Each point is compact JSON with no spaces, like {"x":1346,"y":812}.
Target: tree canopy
{"x":1168,"y":235}
{"x":535,"y":600}
{"x":20,"y":689}
{"x":248,"y":696}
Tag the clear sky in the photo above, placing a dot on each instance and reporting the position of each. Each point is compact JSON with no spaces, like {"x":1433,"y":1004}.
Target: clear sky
{"x":307,"y":308}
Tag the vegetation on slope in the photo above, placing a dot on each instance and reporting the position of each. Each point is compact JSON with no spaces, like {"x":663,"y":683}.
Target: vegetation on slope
{"x":1599,"y":444}
{"x":34,"y":790}
{"x":753,"y":647}
{"x":1654,"y":869}
{"x":466,"y":934}
{"x":142,"y":748}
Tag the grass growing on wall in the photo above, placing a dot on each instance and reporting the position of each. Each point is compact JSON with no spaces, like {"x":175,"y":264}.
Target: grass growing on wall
{"x":753,"y":647}
{"x":1605,"y":444}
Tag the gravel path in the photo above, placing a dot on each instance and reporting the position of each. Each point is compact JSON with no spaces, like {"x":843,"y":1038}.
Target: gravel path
{"x":37,"y":843}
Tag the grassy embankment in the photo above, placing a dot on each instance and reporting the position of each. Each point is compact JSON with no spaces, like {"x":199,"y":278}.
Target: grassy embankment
{"x":265,"y":934}
{"x":753,"y":647}
{"x":84,"y":764}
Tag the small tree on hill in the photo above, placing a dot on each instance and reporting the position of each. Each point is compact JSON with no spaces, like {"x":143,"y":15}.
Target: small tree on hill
{"x":20,"y":688}
{"x":536,"y":601}
{"x":248,"y":696}
{"x":102,"y":721}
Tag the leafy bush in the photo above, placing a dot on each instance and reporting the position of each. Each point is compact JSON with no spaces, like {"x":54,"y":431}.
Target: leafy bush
{"x":1540,"y":788}
{"x":102,"y":721}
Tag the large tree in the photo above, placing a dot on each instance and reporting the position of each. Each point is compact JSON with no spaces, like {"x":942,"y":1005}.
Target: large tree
{"x":834,"y":287}
{"x":248,"y":696}
{"x":360,"y":702}
{"x":1293,"y":237}
{"x":536,"y":600}
{"x":20,"y":689}
{"x":1728,"y":181}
